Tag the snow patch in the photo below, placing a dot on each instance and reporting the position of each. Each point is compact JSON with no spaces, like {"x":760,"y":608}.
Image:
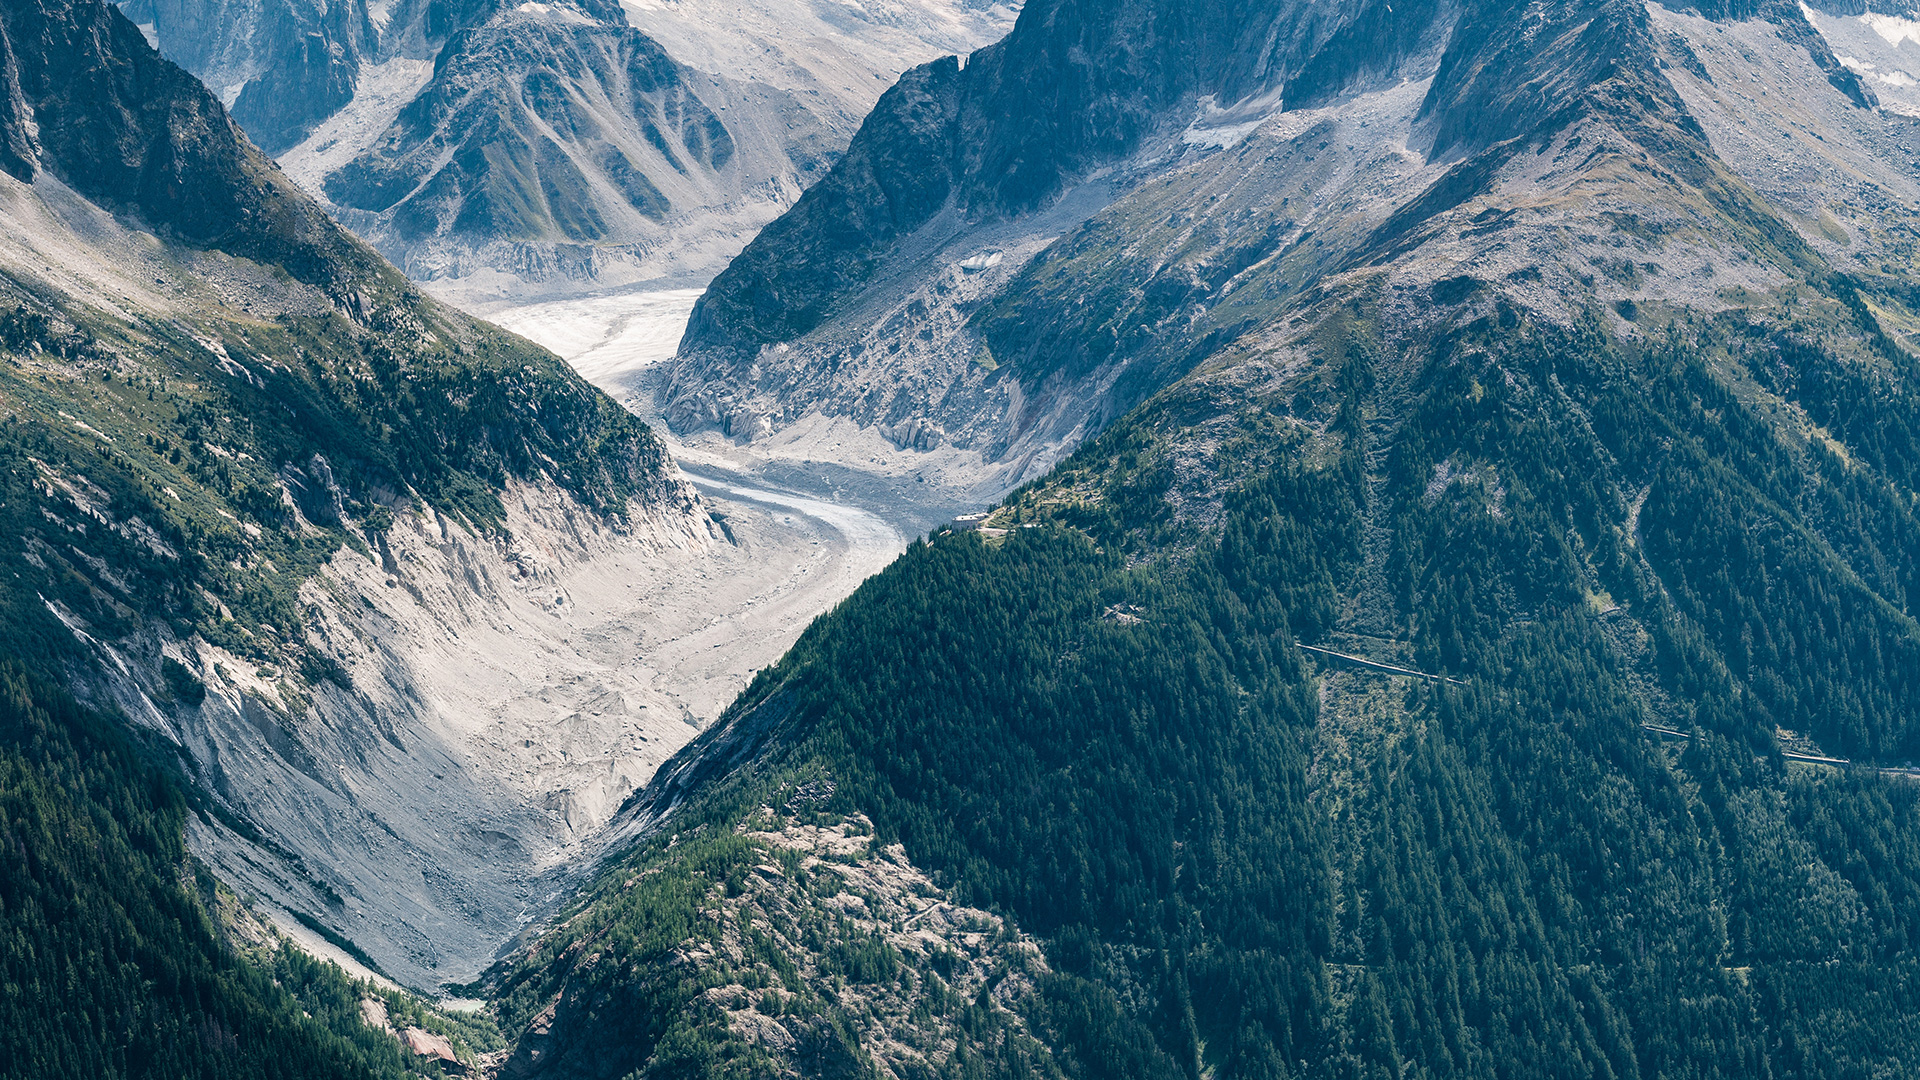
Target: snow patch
{"x":1884,"y":50}
{"x":382,"y":91}
{"x":606,"y":338}
{"x":1224,"y":128}
{"x":1893,"y":28}
{"x":380,"y":13}
{"x":559,"y":14}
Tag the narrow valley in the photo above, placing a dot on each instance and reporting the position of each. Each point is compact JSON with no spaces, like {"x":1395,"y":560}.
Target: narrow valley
{"x":953,"y":540}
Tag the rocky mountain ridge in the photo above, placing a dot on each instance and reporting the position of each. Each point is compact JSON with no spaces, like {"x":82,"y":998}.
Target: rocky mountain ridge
{"x":521,"y":144}
{"x":551,"y":126}
{"x":925,"y":321}
{"x":338,"y":552}
{"x":1555,"y":360}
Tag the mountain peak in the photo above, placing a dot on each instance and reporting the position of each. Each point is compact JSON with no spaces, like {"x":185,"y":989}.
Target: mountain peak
{"x":91,"y":103}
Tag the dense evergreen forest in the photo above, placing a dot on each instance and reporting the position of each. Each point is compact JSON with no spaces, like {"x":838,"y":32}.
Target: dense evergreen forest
{"x":1243,"y":864}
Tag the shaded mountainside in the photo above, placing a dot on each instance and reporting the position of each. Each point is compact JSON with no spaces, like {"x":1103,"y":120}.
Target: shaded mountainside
{"x":285,"y":67}
{"x":215,"y":405}
{"x":555,"y":143}
{"x":115,"y":964}
{"x":867,"y":299}
{"x":281,"y":68}
{"x":89,"y":102}
{"x":1577,"y":372}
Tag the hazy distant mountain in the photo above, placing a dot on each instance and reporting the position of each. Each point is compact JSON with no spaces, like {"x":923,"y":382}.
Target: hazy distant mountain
{"x":570,"y":143}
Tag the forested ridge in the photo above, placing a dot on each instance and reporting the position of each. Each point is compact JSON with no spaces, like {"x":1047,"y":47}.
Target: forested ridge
{"x":1092,"y":718}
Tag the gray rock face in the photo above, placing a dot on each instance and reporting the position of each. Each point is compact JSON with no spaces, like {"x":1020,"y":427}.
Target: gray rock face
{"x":471,"y":152}
{"x":282,"y":66}
{"x":18,"y":147}
{"x":1075,"y":87}
{"x":1016,"y":251}
{"x":84,"y":98}
{"x":553,"y":127}
{"x":556,"y":145}
{"x":867,"y":300}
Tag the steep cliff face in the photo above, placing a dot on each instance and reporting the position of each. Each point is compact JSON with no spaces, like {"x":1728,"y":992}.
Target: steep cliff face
{"x":963,"y":174}
{"x":135,"y":134}
{"x":281,"y":66}
{"x":1075,"y":87}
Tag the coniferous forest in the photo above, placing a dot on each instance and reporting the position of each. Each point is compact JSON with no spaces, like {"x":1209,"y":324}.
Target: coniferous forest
{"x":1580,"y":852}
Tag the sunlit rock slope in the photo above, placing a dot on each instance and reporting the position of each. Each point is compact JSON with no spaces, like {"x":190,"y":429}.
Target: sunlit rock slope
{"x":346,"y":556}
{"x":1016,"y":251}
{"x":501,"y":150}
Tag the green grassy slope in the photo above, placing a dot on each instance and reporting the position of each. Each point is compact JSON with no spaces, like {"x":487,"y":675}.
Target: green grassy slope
{"x":245,"y":475}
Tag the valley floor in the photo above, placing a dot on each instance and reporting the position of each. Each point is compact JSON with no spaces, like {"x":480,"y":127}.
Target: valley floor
{"x":811,"y":520}
{"x":589,"y":662}
{"x":806,"y":525}
{"x":561,"y":694}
